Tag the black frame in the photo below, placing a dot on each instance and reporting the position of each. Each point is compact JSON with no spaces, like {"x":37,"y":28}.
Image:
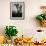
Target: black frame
{"x":11,"y":12}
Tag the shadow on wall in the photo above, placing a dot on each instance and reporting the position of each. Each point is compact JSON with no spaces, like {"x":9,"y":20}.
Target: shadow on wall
{"x":33,"y":21}
{"x":2,"y":30}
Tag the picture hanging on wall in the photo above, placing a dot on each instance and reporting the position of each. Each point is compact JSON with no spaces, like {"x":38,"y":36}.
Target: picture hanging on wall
{"x":17,"y":10}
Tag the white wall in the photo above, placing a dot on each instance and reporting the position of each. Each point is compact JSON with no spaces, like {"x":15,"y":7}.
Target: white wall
{"x":27,"y":26}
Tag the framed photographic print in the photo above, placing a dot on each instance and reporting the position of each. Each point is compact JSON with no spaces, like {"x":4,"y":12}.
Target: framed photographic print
{"x":17,"y":10}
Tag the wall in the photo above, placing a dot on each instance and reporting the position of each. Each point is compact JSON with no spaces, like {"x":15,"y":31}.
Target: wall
{"x":27,"y":26}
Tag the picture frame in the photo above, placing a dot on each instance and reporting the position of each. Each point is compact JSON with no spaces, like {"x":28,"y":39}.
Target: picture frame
{"x":17,"y":10}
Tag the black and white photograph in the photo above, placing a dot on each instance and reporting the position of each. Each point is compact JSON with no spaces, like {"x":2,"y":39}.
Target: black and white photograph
{"x":17,"y":10}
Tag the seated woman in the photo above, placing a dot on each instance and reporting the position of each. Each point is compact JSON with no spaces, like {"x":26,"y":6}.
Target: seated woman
{"x":2,"y":40}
